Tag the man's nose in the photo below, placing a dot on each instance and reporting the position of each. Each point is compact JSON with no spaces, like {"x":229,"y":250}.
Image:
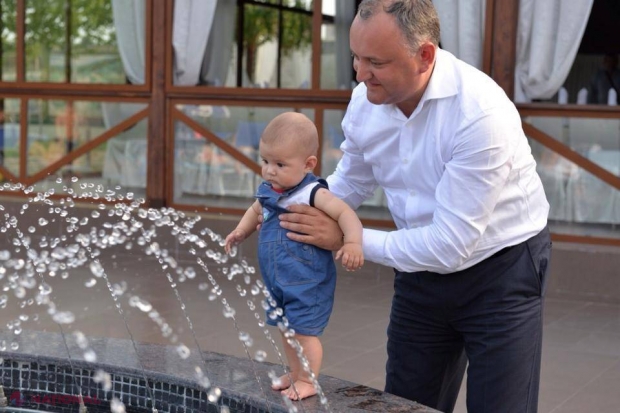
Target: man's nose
{"x":361,"y":71}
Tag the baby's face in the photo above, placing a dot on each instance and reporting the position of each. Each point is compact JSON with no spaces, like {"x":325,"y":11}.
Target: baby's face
{"x":284,"y":163}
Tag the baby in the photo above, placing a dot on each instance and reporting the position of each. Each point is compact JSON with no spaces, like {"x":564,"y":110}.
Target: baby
{"x":300,"y":277}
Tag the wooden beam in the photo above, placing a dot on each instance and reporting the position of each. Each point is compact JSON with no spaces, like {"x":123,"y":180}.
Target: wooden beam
{"x":156,"y":181}
{"x":317,"y":46}
{"x":504,"y":48}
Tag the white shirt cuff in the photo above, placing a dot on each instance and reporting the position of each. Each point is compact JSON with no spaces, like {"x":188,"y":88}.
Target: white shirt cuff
{"x":373,"y":245}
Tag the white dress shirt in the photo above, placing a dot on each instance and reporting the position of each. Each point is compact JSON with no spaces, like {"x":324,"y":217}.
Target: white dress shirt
{"x":458,"y":174}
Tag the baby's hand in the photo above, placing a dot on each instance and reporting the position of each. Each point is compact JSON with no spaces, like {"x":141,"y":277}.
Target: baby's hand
{"x":352,"y":256}
{"x":234,"y":238}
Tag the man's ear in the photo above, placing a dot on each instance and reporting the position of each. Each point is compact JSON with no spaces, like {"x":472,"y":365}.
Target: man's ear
{"x":427,"y":52}
{"x":311,"y":162}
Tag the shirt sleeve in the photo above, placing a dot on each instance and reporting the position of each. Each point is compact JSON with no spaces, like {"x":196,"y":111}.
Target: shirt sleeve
{"x":466,"y":196}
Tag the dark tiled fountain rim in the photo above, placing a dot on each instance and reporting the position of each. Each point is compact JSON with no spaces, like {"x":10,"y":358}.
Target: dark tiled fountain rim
{"x":236,"y":377}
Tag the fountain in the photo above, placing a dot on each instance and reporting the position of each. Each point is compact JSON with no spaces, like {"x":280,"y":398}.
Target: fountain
{"x":51,"y":360}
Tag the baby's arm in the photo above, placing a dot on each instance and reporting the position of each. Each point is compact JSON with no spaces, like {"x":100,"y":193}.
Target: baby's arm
{"x":351,"y":251}
{"x":245,"y":228}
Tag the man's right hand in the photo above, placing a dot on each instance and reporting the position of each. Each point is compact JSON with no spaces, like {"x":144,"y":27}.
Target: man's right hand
{"x":312,"y":226}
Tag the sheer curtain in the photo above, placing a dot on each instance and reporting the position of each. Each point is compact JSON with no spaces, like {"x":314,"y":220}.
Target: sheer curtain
{"x":548,"y":37}
{"x":219,"y":48}
{"x":193,"y":20}
{"x":462,"y":28}
{"x":129,"y":21}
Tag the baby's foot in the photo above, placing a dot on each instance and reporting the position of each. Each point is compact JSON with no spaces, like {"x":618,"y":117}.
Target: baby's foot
{"x":300,"y":390}
{"x":283,"y":382}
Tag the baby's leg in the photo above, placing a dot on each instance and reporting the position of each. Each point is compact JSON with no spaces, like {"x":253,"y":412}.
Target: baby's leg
{"x":302,"y":383}
{"x":284,"y":382}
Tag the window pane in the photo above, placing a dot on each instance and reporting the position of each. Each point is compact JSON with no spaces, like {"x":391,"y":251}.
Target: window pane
{"x":57,"y":128}
{"x":9,"y":135}
{"x":206,"y":173}
{"x":7,"y":47}
{"x":95,"y":55}
{"x":581,"y":203}
{"x":96,"y":41}
{"x":296,"y":67}
{"x":336,"y":63}
{"x":260,"y":46}
{"x":374,"y":207}
{"x":270,"y":57}
{"x":45,"y":41}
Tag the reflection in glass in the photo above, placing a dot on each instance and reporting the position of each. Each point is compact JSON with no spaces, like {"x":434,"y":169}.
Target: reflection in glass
{"x":125,"y":159}
{"x":203,"y":169}
{"x":336,"y":63}
{"x":46,"y":47}
{"x":95,"y":55}
{"x":580,"y":203}
{"x":80,"y":43}
{"x":594,"y":78}
{"x":9,"y":135}
{"x":8,"y":16}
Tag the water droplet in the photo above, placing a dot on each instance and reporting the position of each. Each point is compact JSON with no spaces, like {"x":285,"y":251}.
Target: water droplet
{"x":43,"y":222}
{"x":64,"y":317}
{"x":229,"y":312}
{"x":260,"y":355}
{"x":135,"y":301}
{"x":90,"y":283}
{"x":117,"y":406}
{"x":44,"y":289}
{"x":183,"y":351}
{"x":213,"y":395}
{"x":90,"y":356}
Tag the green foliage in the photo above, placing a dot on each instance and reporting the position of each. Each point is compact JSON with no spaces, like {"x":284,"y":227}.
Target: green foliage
{"x":261,"y":25}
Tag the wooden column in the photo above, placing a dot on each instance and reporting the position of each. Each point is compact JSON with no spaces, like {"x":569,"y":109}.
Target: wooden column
{"x":157,"y":149}
{"x":504,"y":43}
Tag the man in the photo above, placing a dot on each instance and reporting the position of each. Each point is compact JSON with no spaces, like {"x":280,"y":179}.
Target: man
{"x":471,"y":247}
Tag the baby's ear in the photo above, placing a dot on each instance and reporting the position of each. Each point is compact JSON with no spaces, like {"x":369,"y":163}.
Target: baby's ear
{"x":311,"y":162}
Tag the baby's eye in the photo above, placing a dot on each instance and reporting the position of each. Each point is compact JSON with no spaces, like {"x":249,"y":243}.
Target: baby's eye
{"x":265,"y":161}
{"x":280,"y":165}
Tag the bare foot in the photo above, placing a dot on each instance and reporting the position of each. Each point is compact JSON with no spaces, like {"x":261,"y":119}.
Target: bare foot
{"x":283,"y":382}
{"x":300,"y":390}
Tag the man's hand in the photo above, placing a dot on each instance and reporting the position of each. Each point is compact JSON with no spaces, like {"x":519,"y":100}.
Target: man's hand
{"x":318,"y":227}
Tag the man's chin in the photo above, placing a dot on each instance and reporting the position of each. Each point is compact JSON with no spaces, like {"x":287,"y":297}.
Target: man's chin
{"x":375,"y":98}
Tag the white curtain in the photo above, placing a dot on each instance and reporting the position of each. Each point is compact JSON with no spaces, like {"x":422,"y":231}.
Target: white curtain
{"x":548,"y":36}
{"x":129,"y":21}
{"x":462,"y":28}
{"x":220,"y":44}
{"x":191,"y":27}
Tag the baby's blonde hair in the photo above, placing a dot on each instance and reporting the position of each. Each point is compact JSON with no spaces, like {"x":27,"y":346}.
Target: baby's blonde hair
{"x":293,"y":127}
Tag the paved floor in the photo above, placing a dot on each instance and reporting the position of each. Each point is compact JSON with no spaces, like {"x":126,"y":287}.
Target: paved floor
{"x":581,"y":351}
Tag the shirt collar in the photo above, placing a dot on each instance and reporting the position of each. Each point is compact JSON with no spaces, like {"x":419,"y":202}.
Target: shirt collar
{"x":442,"y":83}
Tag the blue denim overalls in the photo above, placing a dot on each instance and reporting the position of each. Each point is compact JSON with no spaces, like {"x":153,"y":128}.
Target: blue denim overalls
{"x":300,"y":277}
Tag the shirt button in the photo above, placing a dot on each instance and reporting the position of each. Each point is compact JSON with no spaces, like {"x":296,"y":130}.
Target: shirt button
{"x":405,"y":160}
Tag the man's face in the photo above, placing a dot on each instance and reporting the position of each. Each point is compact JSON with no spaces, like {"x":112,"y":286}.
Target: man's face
{"x":391,"y":72}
